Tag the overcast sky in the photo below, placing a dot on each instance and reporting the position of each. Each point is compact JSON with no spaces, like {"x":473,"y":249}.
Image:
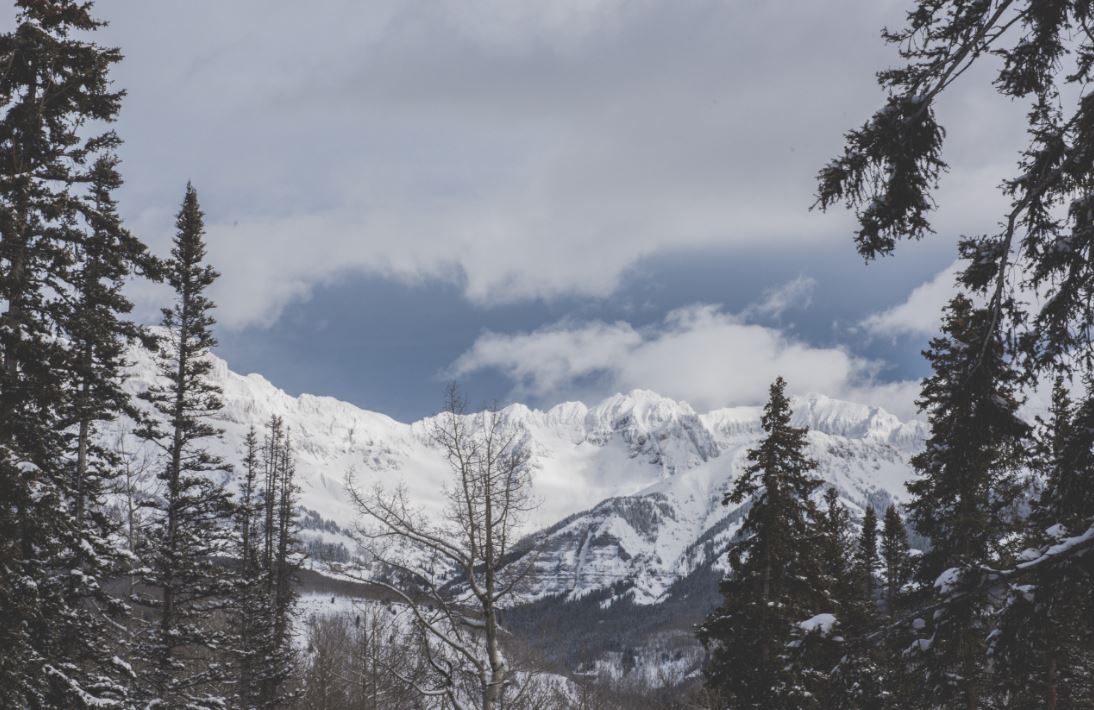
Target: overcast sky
{"x":547,"y":200}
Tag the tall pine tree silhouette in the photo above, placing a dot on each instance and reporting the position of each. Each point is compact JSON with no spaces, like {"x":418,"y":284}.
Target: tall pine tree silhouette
{"x":866,"y":555}
{"x":774,"y":579}
{"x":965,"y":495}
{"x":250,"y":597}
{"x":858,"y":677}
{"x":190,"y":521}
{"x":63,"y":257}
{"x":1044,"y":645}
{"x":268,"y":547}
{"x":896,"y":563}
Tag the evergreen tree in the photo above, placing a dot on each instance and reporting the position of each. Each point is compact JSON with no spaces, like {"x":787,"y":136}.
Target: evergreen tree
{"x":1066,"y":460}
{"x":250,"y":596}
{"x":866,"y":555}
{"x":964,"y":498}
{"x":285,"y":562}
{"x":189,"y":525}
{"x":1044,"y":644}
{"x":63,"y":257}
{"x":98,"y":336}
{"x":834,"y":548}
{"x":895,"y":558}
{"x":881,"y":674}
{"x":844,"y":663}
{"x":890,"y":166}
{"x":818,"y":654}
{"x":269,"y":552}
{"x":889,"y":171}
{"x":774,"y":579}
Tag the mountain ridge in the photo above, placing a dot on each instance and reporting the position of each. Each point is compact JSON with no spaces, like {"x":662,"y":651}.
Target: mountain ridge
{"x":640,"y":476}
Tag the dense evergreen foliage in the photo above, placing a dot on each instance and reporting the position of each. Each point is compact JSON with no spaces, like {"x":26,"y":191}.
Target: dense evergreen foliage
{"x":775,"y":580}
{"x":998,"y":612}
{"x":63,"y":259}
{"x":964,"y":499}
{"x":186,"y":529}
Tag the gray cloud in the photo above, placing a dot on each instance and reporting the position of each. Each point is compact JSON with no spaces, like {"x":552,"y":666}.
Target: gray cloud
{"x":794,"y":294}
{"x":523,"y":150}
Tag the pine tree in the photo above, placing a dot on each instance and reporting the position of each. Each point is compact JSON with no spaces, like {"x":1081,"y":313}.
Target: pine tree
{"x":819,"y":654}
{"x":1044,"y":644}
{"x":835,"y":543}
{"x":55,"y":216}
{"x":866,"y":555}
{"x":250,"y":596}
{"x":189,"y":524}
{"x":860,"y":679}
{"x":898,"y":683}
{"x":964,"y":498}
{"x":285,"y":563}
{"x":774,"y":580}
{"x":98,"y":335}
{"x":895,"y":558}
{"x":891,"y":165}
{"x":269,"y":552}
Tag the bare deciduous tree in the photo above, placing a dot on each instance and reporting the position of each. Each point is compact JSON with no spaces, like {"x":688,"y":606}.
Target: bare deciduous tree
{"x":450,"y":567}
{"x":345,"y":666}
{"x":136,"y":483}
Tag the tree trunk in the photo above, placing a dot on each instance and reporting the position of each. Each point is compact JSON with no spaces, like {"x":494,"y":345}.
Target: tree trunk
{"x":496,"y":680}
{"x":167,"y":614}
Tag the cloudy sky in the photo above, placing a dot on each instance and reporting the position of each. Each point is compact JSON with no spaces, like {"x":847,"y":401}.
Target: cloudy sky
{"x":545,"y":200}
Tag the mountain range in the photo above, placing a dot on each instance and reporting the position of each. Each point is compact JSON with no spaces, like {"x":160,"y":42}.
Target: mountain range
{"x":630,"y":489}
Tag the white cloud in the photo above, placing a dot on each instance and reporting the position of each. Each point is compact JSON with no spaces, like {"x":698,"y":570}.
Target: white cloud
{"x":699,"y":354}
{"x":921,"y":313}
{"x":797,"y":293}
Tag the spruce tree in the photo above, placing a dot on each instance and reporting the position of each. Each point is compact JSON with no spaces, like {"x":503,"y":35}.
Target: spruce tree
{"x":818,"y":654}
{"x":98,"y":336}
{"x":285,"y":562}
{"x":861,"y":679}
{"x":889,"y":642}
{"x":965,"y":494}
{"x":834,"y":548}
{"x":56,"y":218}
{"x":866,"y":555}
{"x":250,"y":596}
{"x":1044,"y":643}
{"x":1066,"y":461}
{"x":895,"y":559}
{"x":269,"y":551}
{"x":890,"y":168}
{"x":189,"y":524}
{"x":774,"y":580}
{"x":843,"y":663}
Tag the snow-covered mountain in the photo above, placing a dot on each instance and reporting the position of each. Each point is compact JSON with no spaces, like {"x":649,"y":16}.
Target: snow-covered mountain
{"x":631,"y":488}
{"x":673,"y":526}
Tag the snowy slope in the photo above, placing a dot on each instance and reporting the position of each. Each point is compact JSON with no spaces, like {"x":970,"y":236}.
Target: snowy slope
{"x":673,"y":526}
{"x":635,"y":480}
